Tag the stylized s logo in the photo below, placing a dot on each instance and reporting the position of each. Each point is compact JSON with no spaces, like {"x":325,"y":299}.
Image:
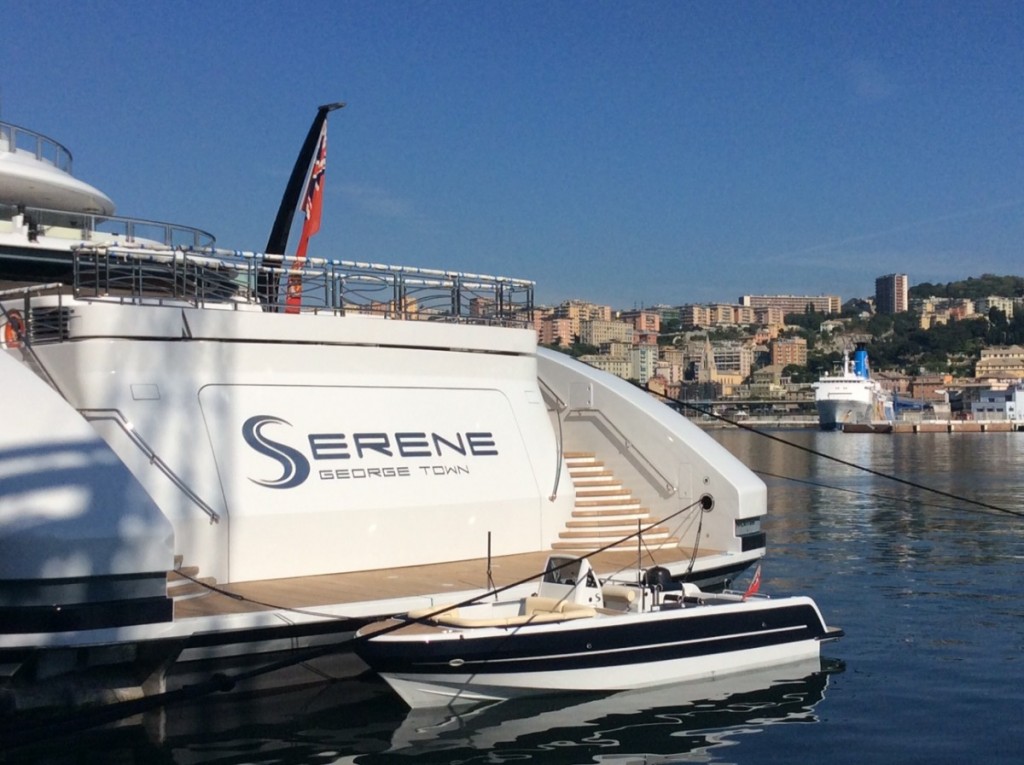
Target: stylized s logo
{"x":295,"y":467}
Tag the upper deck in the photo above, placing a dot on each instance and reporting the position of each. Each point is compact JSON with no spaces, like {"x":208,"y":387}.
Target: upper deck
{"x":35,"y":171}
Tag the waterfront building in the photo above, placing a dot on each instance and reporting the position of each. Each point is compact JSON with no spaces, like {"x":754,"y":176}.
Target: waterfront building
{"x":999,"y":404}
{"x":891,"y":293}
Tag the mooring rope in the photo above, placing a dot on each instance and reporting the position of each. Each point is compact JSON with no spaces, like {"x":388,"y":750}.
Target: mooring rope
{"x":847,"y":463}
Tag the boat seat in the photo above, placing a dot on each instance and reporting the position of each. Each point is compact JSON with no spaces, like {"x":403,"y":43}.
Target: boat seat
{"x":618,"y":596}
{"x":548,"y":610}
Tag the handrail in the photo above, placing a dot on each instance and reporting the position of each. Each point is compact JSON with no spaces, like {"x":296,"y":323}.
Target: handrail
{"x":87,"y":226}
{"x":117,"y":417}
{"x":670,"y":488}
{"x":102,"y":414}
{"x":560,"y":452}
{"x":332,"y":286}
{"x":43,"y":147}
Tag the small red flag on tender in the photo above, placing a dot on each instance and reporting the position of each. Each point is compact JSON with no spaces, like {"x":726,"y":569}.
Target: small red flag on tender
{"x":312,"y":207}
{"x":755,"y":583}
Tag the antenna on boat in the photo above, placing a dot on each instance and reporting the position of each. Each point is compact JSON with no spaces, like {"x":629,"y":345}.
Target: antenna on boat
{"x":268,"y":284}
{"x":490,"y":578}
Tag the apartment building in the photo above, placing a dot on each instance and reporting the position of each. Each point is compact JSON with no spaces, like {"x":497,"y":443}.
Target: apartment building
{"x":789,"y":350}
{"x":794,"y":303}
{"x":578,"y":311}
{"x":552,"y":331}
{"x":600,"y":331}
{"x":643,"y":321}
{"x":891,"y":293}
{"x":1001,"y":363}
{"x":1004,"y":304}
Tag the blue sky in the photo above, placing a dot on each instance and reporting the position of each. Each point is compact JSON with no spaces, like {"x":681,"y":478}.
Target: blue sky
{"x":629,"y":153}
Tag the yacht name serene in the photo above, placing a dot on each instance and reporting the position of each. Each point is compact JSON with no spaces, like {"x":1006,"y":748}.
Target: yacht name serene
{"x":362,"y":446}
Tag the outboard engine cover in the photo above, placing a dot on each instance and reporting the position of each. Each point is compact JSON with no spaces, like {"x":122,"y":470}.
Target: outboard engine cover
{"x":659,"y":576}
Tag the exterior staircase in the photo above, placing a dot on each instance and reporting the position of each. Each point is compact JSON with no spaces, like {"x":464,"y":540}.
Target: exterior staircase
{"x":605,"y":511}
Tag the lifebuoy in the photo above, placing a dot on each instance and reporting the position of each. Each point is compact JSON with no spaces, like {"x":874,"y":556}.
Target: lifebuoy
{"x":14,"y":330}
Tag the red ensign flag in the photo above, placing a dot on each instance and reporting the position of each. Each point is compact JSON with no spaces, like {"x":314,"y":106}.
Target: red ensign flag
{"x":312,"y":207}
{"x":755,"y":583}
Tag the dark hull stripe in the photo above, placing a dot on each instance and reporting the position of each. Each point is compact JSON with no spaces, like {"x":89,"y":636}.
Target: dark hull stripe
{"x":589,"y":646}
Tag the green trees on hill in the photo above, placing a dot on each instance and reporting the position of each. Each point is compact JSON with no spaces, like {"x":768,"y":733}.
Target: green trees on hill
{"x":972,"y":287}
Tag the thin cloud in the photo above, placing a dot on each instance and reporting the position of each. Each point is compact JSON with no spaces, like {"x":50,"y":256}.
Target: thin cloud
{"x":378,"y":202}
{"x":860,"y":238}
{"x":870,"y":82}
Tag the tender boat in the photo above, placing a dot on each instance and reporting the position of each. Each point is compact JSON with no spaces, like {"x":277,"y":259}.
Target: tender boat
{"x":201,"y":472}
{"x":579,"y":633}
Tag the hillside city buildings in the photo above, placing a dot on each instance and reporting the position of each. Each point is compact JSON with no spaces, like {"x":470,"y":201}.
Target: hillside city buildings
{"x":720,"y":350}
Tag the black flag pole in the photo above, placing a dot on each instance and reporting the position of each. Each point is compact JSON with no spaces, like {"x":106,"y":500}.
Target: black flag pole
{"x":268,"y":285}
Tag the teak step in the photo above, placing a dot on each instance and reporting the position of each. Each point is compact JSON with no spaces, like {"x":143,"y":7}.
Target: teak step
{"x":612,"y":512}
{"x":629,"y":544}
{"x":184,"y":582}
{"x":619,"y":522}
{"x":658,"y":532}
{"x":623,"y":503}
{"x":605,"y":511}
{"x":614,"y":490}
{"x":188,"y":589}
{"x":182,"y":573}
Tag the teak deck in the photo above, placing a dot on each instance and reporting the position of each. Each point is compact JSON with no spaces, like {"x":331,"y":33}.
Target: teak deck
{"x":327,"y":589}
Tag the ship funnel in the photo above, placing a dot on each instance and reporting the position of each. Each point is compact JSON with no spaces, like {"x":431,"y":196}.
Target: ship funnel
{"x":860,"y":362}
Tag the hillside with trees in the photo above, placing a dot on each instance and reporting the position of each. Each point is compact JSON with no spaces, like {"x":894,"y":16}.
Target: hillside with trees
{"x":971,"y":288}
{"x":898,"y":343}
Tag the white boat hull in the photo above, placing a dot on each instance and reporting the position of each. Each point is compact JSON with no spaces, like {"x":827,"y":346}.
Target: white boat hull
{"x":446,"y":690}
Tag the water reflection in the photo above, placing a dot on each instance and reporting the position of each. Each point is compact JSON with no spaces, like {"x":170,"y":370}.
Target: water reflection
{"x":637,"y":726}
{"x":361,"y":721}
{"x":851,"y":516}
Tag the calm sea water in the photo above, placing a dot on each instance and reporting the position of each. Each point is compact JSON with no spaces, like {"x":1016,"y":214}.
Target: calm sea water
{"x":928,"y":589}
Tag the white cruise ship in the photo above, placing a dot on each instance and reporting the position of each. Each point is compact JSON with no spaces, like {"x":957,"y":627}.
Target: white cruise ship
{"x":851,"y":397}
{"x":198,"y":473}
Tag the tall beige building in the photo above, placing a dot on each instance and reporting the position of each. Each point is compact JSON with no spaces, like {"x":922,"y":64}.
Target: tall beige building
{"x":891,"y":293}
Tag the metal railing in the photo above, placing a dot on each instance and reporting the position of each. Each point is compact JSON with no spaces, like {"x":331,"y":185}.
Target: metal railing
{"x":628,"y":446}
{"x":558,"y":406}
{"x":115,"y":416}
{"x":334,"y":286}
{"x":14,"y":138}
{"x":110,"y":230}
